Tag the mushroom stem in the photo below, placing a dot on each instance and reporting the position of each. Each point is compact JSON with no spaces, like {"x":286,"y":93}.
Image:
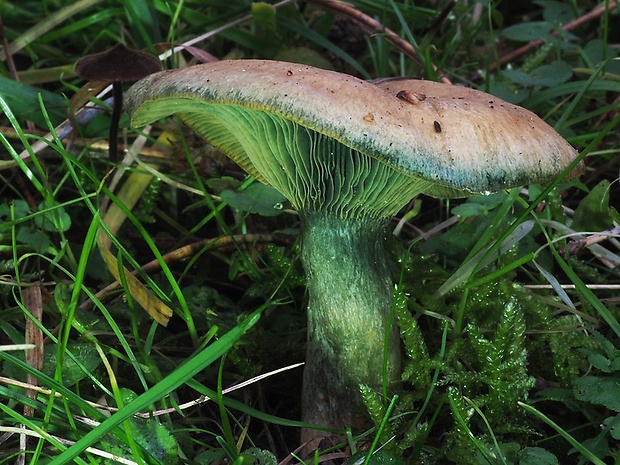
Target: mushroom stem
{"x":348,"y":318}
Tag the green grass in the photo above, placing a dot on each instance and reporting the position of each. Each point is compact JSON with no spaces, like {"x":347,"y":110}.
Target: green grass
{"x":512,"y":356}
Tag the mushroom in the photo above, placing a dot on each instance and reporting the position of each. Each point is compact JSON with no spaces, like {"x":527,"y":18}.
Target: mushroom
{"x":349,"y":155}
{"x":117,"y":65}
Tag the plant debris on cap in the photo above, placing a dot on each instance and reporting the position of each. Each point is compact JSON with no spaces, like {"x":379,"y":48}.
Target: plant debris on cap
{"x":119,"y":64}
{"x":486,"y":143}
{"x":463,"y":140}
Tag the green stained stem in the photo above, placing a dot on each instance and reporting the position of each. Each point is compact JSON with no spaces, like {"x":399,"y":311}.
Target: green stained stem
{"x":348,"y":314}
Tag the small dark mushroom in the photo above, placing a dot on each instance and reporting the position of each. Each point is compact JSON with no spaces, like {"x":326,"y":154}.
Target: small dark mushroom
{"x":117,"y":65}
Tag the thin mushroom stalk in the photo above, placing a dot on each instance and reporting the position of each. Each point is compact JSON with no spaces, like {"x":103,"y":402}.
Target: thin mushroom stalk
{"x":349,"y":155}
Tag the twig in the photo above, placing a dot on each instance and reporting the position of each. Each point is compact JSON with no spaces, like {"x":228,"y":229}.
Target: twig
{"x":94,"y":145}
{"x":438,"y":228}
{"x":10,"y":64}
{"x":375,"y":27}
{"x":598,"y":287}
{"x":186,"y":251}
{"x":595,"y":13}
{"x":213,"y":32}
{"x":577,"y":245}
{"x":12,"y":347}
{"x":156,"y":413}
{"x":44,"y":435}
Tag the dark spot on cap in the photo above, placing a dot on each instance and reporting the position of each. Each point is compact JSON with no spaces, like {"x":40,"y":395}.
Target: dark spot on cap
{"x":437,"y":126}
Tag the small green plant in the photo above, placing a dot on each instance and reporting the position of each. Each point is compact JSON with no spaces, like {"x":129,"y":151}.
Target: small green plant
{"x":593,"y":398}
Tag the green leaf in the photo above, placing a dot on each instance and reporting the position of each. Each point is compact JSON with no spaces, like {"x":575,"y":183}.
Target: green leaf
{"x":209,"y":457}
{"x":592,"y":214}
{"x":614,"y":422}
{"x":86,"y":360}
{"x":505,"y":91}
{"x":221,"y":184}
{"x":34,"y":239}
{"x":20,"y":210}
{"x":526,"y":32}
{"x":549,"y":75}
{"x":479,"y":205}
{"x":537,"y":456}
{"x":601,"y":391}
{"x":600,"y":362}
{"x":23,"y":101}
{"x":519,"y":77}
{"x":552,"y":74}
{"x":557,"y":12}
{"x":259,"y":456}
{"x":264,"y":15}
{"x":256,"y":198}
{"x":150,"y":434}
{"x":469,"y":209}
{"x":598,"y":51}
{"x":53,"y":220}
{"x":615,"y":216}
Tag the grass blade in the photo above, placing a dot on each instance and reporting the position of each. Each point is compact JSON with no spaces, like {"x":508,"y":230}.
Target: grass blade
{"x":161,"y":389}
{"x":573,"y":442}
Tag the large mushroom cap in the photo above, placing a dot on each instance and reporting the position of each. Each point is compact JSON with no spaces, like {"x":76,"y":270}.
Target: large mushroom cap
{"x":460,"y":141}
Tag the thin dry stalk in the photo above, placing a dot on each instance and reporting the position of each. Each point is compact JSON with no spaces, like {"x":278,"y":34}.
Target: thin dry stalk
{"x":200,"y":400}
{"x":375,"y":27}
{"x":33,"y":301}
{"x":187,"y":251}
{"x":592,"y":15}
{"x":586,"y":242}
